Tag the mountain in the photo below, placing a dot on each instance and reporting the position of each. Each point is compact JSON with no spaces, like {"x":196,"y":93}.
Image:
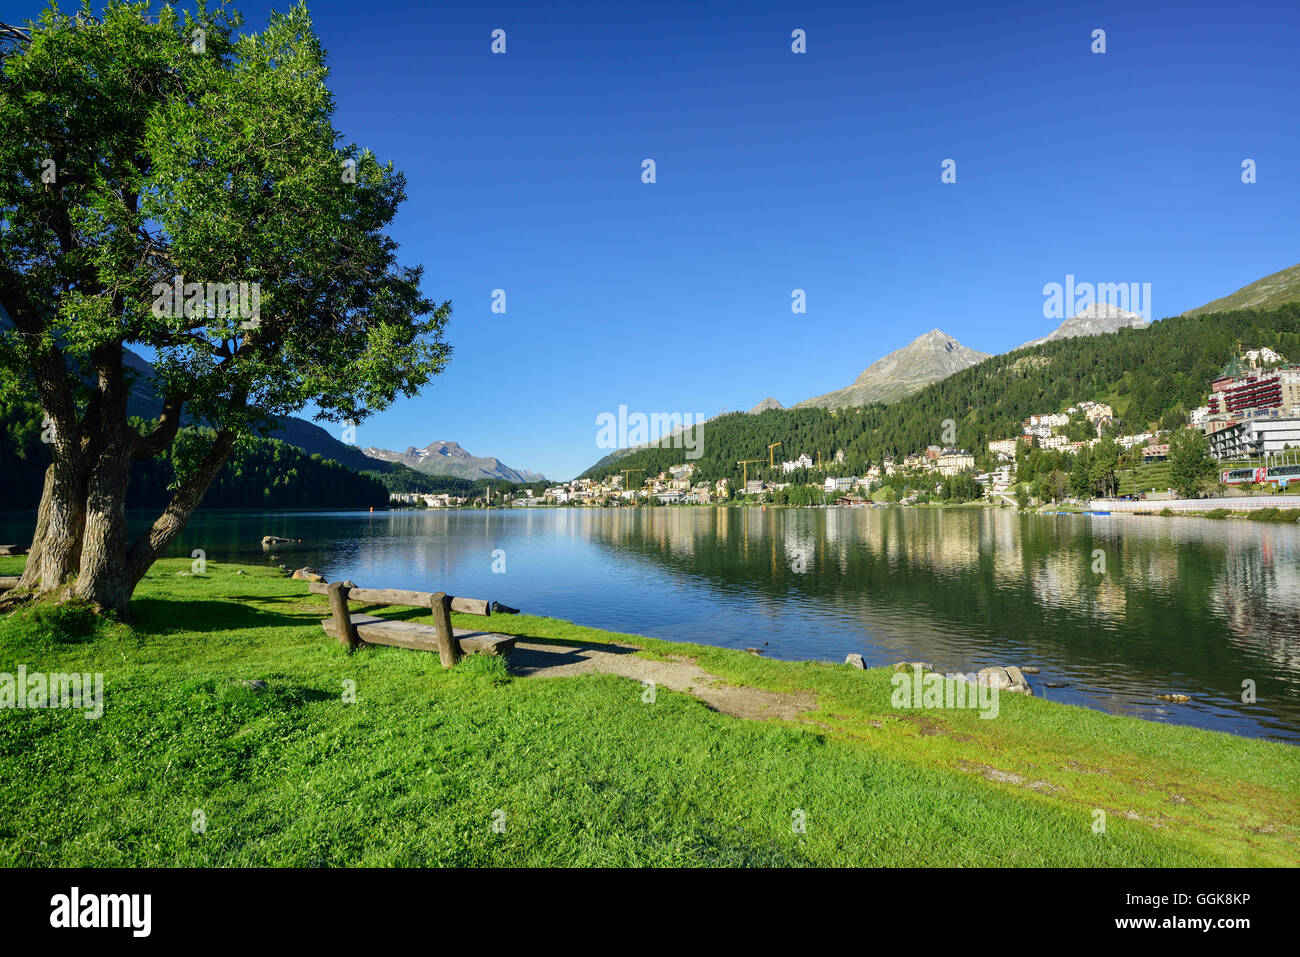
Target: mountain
{"x":927,"y":359}
{"x":768,"y":403}
{"x":143,"y":400}
{"x":1098,"y":319}
{"x":1274,"y":290}
{"x":448,"y":458}
{"x":1151,"y":375}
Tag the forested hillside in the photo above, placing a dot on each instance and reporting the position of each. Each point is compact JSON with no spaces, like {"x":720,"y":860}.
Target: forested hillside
{"x":1147,"y":375}
{"x":262,"y":473}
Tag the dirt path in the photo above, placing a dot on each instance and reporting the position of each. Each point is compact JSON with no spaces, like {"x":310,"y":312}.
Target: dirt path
{"x":532,"y":659}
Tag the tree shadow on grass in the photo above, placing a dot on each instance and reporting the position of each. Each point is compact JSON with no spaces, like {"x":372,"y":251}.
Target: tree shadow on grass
{"x":165,"y":616}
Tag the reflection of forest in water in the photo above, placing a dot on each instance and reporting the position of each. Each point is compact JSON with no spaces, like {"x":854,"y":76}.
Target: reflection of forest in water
{"x":1183,"y":605}
{"x":1131,"y":604}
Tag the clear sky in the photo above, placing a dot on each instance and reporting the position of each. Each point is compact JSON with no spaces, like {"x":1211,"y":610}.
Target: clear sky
{"x":776,"y":171}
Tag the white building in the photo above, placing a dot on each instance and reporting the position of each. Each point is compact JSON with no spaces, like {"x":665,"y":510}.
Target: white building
{"x":1093,"y":411}
{"x":952,"y":461}
{"x":1128,"y":441}
{"x":1052,"y":420}
{"x":1255,"y":437}
{"x":804,"y":461}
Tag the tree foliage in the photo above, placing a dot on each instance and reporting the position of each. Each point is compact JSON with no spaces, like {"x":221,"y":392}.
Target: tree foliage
{"x":140,"y":156}
{"x":1190,"y":464}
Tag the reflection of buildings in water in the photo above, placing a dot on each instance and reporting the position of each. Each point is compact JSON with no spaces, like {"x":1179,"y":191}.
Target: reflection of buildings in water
{"x":1261,"y":604}
{"x":1065,"y":579}
{"x":1000,"y":544}
{"x":806,"y":550}
{"x":953,"y":552}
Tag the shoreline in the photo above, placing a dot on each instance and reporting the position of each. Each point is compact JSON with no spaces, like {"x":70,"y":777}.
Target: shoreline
{"x":1171,"y":794}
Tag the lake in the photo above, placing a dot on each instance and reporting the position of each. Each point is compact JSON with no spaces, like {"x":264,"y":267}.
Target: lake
{"x":1117,"y":608}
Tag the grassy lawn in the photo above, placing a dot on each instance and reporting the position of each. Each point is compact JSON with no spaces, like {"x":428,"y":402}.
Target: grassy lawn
{"x":575,"y":770}
{"x":1143,"y":478}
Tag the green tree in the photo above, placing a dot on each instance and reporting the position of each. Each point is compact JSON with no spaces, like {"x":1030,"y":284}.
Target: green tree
{"x":1080,"y":483}
{"x":1102,"y":464}
{"x":1056,"y":485}
{"x":1022,"y":496}
{"x":138,"y":155}
{"x":1190,"y":464}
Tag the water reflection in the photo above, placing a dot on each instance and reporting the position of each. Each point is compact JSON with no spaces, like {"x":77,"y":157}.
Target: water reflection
{"x":1118,"y":608}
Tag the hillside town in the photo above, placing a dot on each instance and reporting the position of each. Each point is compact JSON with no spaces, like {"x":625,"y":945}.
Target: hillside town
{"x":1252,"y":413}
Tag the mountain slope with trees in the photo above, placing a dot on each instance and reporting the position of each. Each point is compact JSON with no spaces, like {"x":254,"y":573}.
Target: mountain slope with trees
{"x":1150,"y":376}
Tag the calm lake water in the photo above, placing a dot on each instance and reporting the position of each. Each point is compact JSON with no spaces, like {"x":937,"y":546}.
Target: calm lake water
{"x":1183,"y":605}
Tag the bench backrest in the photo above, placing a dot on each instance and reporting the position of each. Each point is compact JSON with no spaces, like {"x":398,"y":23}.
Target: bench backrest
{"x":400,"y":596}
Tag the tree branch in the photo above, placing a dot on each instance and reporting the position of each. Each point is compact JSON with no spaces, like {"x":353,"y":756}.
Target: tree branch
{"x":161,"y":436}
{"x":174,"y":517}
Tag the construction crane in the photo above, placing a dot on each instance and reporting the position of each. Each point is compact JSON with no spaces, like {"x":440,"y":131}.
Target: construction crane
{"x":819,"y":460}
{"x":746,"y":463}
{"x":627,"y":484}
{"x":771,"y":460}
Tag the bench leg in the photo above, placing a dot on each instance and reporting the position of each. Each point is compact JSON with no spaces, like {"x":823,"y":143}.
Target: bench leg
{"x":338,"y":595}
{"x":448,"y":647}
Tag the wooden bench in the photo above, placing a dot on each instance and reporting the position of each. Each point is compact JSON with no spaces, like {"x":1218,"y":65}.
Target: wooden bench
{"x":450,"y":643}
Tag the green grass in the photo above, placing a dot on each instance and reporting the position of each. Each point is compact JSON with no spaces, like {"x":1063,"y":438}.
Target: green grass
{"x":1143,"y":478}
{"x":584,"y":771}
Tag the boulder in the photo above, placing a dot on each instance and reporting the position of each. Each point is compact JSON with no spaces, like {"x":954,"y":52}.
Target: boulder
{"x":1019,"y":683}
{"x":276,"y":540}
{"x":1030,"y":670}
{"x":500,"y":609}
{"x":994,"y":678}
{"x":856,"y":661}
{"x":909,"y":665}
{"x":308,"y":574}
{"x":257,"y":684}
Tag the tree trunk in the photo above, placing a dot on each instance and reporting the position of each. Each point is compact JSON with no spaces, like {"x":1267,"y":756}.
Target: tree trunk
{"x":104,"y":580}
{"x":60,"y":523}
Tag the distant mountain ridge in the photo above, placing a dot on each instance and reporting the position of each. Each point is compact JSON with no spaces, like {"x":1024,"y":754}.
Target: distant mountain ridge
{"x":1273,"y":290}
{"x":448,"y":458}
{"x":1099,"y":319}
{"x":925,"y":360}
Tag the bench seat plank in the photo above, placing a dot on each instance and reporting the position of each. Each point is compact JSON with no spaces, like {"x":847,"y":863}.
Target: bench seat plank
{"x":409,"y":634}
{"x":402,"y":596}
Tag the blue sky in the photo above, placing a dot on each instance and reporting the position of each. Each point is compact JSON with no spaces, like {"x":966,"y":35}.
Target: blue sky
{"x":777,"y":171}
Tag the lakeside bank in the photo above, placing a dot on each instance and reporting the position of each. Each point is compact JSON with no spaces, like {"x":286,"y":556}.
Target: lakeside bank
{"x":583,"y":769}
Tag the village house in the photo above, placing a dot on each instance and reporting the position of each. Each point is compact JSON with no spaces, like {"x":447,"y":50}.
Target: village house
{"x":952,"y":461}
